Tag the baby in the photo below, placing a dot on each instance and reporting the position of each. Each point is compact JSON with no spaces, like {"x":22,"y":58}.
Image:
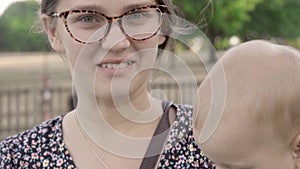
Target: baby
{"x":259,"y":126}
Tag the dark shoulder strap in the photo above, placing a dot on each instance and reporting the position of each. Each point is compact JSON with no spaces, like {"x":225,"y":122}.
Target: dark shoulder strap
{"x":166,"y":106}
{"x":157,"y":143}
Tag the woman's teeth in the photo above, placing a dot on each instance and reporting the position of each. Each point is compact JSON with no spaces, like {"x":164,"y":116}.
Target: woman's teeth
{"x":115,"y":65}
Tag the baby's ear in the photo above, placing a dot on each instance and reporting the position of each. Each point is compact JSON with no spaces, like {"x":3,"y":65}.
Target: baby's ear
{"x":296,"y":150}
{"x":52,"y":33}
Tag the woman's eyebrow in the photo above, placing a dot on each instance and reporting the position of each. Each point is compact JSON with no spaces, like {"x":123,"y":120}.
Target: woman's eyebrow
{"x":137,"y":5}
{"x":87,"y":7}
{"x":97,"y":7}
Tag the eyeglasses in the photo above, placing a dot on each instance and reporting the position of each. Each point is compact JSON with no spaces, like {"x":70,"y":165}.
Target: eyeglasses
{"x":87,"y":26}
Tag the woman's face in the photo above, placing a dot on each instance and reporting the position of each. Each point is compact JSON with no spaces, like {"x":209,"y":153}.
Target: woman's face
{"x":116,"y":65}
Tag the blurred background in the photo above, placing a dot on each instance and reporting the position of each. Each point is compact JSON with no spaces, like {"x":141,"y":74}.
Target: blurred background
{"x":35,"y":84}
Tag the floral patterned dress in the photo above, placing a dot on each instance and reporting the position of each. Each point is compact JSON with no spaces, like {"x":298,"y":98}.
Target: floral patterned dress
{"x":43,"y":147}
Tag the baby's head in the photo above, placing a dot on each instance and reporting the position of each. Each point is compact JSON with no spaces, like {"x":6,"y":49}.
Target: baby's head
{"x":260,"y":126}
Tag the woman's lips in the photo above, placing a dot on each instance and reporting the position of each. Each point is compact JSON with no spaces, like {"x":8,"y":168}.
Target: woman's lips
{"x":115,"y":68}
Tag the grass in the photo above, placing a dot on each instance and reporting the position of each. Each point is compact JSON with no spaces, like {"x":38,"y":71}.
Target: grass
{"x":30,"y":68}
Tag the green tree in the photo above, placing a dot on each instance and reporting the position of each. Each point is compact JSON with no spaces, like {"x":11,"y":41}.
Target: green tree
{"x":247,"y":19}
{"x":219,"y":18}
{"x":273,"y":18}
{"x":16,"y":29}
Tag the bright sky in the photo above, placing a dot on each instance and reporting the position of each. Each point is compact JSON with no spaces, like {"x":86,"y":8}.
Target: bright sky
{"x":5,"y":3}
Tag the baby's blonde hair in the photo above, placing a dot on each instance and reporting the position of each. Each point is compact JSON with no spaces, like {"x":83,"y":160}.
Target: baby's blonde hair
{"x":263,"y":82}
{"x":265,"y":77}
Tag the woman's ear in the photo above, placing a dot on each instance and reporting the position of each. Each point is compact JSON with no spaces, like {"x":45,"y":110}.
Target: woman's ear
{"x":296,"y":151}
{"x":52,"y":33}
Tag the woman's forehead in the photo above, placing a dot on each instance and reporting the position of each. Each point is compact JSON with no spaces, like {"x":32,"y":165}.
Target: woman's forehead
{"x":105,"y":6}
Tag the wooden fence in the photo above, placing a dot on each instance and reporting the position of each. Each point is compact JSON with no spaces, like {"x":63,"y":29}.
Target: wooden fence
{"x":23,"y":107}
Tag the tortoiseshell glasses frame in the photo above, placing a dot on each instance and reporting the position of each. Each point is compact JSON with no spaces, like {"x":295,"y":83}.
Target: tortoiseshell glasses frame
{"x":159,"y":9}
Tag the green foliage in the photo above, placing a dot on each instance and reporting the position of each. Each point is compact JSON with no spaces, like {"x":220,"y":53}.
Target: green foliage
{"x":223,"y":17}
{"x":196,"y":11}
{"x":221,"y":43}
{"x":16,"y":29}
{"x":274,"y":18}
{"x":231,"y":15}
{"x":294,"y":42}
{"x":247,"y":19}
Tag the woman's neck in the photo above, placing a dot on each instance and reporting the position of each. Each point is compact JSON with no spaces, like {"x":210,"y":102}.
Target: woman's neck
{"x":121,"y":115}
{"x":106,"y":125}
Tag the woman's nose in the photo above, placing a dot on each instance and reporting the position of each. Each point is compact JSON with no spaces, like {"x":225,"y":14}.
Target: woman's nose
{"x":115,"y":39}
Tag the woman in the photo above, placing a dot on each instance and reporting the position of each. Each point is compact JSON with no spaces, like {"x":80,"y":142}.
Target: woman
{"x":116,"y":124}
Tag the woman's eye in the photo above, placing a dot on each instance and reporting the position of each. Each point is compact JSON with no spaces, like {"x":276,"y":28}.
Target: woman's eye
{"x":138,"y":15}
{"x":88,"y":19}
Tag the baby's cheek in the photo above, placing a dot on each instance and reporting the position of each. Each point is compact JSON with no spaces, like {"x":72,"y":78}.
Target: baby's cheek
{"x":196,"y":135}
{"x":207,"y":151}
{"x":197,"y":129}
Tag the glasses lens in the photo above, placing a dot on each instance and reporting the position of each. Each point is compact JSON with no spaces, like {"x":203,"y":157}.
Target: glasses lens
{"x":87,"y":27}
{"x":142,"y":24}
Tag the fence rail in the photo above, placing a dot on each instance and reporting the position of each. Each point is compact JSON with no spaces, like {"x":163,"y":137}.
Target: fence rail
{"x":23,"y":107}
